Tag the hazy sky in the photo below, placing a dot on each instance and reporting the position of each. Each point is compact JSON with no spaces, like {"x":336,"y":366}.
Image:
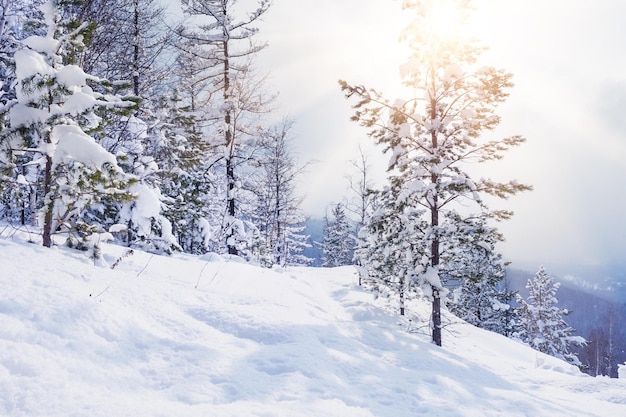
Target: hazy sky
{"x":569,"y":101}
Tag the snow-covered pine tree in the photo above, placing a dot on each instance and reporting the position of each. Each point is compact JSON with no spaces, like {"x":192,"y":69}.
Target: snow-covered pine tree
{"x":541,"y":320}
{"x":391,"y":245}
{"x":129,"y":44}
{"x":13,"y":194}
{"x":477,"y":271}
{"x":218,"y":41}
{"x":338,"y":242}
{"x":51,"y":118}
{"x":182,"y":179}
{"x":295,"y":241}
{"x":432,"y":138}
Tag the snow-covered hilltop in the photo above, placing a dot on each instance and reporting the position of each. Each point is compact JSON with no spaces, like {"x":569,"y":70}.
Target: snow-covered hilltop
{"x":181,"y":335}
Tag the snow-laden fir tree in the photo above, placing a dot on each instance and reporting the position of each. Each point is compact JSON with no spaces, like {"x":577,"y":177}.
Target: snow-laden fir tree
{"x":480,"y":298}
{"x":338,"y":239}
{"x":51,"y":118}
{"x":541,"y":322}
{"x":432,"y":137}
{"x":389,"y":245}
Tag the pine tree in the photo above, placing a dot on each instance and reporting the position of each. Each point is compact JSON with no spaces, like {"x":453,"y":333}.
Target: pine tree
{"x":541,"y":320}
{"x":295,"y":242}
{"x":129,"y":43}
{"x":11,"y":192}
{"x":338,"y":244}
{"x":480,"y":298}
{"x":182,"y":178}
{"x":52,"y":116}
{"x":432,"y":138}
{"x":219,"y":48}
{"x":390,"y":245}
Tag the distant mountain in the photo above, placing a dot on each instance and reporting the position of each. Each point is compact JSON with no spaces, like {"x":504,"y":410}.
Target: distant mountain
{"x":315,"y":230}
{"x":608,"y":281}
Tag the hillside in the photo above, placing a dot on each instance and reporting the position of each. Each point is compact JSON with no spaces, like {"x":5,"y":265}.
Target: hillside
{"x":184,"y":336}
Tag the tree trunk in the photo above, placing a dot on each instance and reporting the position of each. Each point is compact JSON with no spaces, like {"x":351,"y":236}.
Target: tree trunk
{"x":230,"y":178}
{"x":136,"y":50}
{"x":436,"y":317}
{"x":32,"y":205}
{"x":434,"y":261}
{"x":229,"y":139}
{"x":279,"y":231}
{"x":434,"y":224}
{"x":47,"y":186}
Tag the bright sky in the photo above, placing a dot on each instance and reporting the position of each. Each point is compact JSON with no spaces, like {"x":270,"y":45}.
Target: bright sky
{"x":569,"y":102}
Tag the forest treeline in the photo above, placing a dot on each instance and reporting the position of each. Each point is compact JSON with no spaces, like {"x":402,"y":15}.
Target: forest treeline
{"x":116,"y":119}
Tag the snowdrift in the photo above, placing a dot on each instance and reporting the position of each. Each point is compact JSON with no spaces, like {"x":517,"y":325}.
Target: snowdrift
{"x":189,"y":336}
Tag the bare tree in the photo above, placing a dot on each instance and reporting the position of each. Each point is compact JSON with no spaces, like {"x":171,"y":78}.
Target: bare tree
{"x":278,"y":214}
{"x":361,"y":187}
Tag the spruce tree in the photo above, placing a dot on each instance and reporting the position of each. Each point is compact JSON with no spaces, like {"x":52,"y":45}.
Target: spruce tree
{"x":432,"y":137}
{"x":338,"y":243}
{"x":541,"y":320}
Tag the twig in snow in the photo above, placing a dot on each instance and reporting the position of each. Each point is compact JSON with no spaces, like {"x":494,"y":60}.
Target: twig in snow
{"x":129,"y":252}
{"x":200,"y":275}
{"x":145,"y":266}
{"x":101,"y":292}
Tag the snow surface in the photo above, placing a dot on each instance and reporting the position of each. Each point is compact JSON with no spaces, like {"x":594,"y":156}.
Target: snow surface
{"x":189,"y":336}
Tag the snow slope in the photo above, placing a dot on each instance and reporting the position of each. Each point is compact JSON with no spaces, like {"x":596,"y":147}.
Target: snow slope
{"x":187,"y":336}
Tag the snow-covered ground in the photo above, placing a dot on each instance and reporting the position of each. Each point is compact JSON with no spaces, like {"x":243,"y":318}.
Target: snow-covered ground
{"x":188,"y":336}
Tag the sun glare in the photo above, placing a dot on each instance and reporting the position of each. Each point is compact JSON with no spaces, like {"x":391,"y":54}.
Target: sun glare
{"x":444,"y":19}
{"x":453,"y":19}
